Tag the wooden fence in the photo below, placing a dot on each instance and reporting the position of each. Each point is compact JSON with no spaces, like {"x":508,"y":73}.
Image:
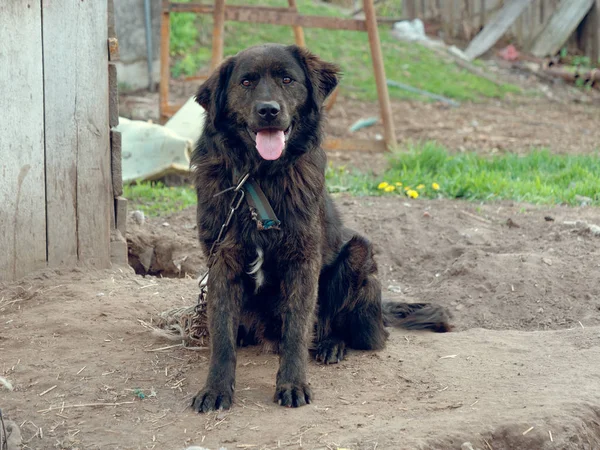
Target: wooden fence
{"x":56,"y":189}
{"x":463,"y":19}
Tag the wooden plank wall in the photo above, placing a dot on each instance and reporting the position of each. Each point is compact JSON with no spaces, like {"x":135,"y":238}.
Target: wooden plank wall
{"x":55,"y":179}
{"x":463,"y":19}
{"x":77,"y":131}
{"x":22,"y":190}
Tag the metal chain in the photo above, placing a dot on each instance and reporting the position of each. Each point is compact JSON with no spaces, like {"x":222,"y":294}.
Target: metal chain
{"x":236,"y":201}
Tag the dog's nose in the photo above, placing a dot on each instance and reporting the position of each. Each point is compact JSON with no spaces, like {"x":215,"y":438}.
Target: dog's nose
{"x":268,"y":110}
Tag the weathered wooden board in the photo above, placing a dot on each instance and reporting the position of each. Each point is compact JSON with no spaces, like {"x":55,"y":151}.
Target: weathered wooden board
{"x":590,"y":34}
{"x":22,"y":210}
{"x":495,"y":28}
{"x":272,"y":15}
{"x":63,"y":122}
{"x":93,"y":167}
{"x":77,"y":131}
{"x":561,"y":25}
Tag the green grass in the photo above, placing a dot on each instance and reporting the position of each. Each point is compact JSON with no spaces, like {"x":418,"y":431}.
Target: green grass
{"x":156,"y":199}
{"x":405,"y":62}
{"x":539,"y":177}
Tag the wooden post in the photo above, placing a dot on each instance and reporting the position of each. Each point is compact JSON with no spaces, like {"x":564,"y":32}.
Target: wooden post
{"x":218,"y":34}
{"x":165,"y":74}
{"x":380,"y":79}
{"x":409,"y":8}
{"x":331,"y":100}
{"x":298,"y":31}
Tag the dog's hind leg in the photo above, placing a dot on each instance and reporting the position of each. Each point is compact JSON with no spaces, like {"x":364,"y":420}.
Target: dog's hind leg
{"x":349,"y":311}
{"x":351,"y":308}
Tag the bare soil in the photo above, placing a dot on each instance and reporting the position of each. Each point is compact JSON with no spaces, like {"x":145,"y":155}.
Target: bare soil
{"x":520,"y":371}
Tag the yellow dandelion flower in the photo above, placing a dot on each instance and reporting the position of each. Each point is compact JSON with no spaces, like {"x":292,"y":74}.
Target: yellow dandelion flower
{"x":421,"y":186}
{"x":412,"y":193}
{"x":383,"y":185}
{"x":435,"y":186}
{"x":407,"y":188}
{"x":390,"y":188}
{"x":399,"y":184}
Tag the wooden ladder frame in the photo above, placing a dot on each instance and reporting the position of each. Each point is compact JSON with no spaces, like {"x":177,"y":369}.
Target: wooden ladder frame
{"x":282,"y":16}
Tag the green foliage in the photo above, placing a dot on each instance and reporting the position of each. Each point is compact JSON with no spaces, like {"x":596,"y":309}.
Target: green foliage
{"x":406,"y":62}
{"x":156,"y":199}
{"x":537,"y":177}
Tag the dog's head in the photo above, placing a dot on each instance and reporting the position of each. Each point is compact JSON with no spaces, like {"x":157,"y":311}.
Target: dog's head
{"x":269,"y":97}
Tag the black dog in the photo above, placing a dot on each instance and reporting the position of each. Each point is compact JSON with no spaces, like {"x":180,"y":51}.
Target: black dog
{"x":309,"y":281}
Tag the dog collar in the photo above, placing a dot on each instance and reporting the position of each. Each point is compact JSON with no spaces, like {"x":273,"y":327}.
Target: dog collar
{"x":260,"y":208}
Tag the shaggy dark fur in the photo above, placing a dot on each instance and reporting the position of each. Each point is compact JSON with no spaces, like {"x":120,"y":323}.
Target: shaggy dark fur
{"x":320,"y":289}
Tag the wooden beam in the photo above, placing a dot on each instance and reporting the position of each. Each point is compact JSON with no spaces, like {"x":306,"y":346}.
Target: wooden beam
{"x":495,"y":28}
{"x":218,"y":34}
{"x":273,"y":16}
{"x":165,"y":72}
{"x":358,"y":145}
{"x":561,"y":25}
{"x":380,"y":79}
{"x":298,"y":31}
{"x":330,"y":101}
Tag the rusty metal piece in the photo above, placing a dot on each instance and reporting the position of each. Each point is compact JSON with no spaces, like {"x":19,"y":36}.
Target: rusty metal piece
{"x":113,"y":49}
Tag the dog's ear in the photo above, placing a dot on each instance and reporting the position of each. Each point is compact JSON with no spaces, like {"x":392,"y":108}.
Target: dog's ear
{"x":322,"y":77}
{"x":212,"y":95}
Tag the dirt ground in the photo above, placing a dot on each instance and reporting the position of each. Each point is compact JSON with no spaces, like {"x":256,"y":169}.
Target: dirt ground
{"x":525,"y":352}
{"x":520,"y":371}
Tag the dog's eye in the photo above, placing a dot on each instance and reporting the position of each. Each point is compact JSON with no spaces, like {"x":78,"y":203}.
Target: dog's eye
{"x":287,"y":80}
{"x":246,"y":83}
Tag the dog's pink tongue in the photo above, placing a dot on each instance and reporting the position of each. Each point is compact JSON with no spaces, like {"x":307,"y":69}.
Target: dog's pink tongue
{"x":270,"y":143}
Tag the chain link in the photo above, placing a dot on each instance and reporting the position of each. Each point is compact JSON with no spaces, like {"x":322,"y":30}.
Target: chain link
{"x":236,"y":201}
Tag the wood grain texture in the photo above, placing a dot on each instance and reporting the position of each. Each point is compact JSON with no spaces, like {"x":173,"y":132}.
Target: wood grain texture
{"x":77,"y":131}
{"x":63,"y":121}
{"x":93,"y":166}
{"x":22,"y":210}
{"x":561,"y":25}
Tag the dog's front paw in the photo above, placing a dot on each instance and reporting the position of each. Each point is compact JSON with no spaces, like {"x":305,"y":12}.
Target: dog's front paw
{"x":293,"y":395}
{"x":212,"y":398}
{"x":330,"y":351}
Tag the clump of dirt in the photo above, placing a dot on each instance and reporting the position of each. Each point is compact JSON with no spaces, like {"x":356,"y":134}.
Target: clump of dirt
{"x":164,"y":247}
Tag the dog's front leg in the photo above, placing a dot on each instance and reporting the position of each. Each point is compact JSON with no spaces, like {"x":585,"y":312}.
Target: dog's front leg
{"x":299,"y":288}
{"x":224,"y":305}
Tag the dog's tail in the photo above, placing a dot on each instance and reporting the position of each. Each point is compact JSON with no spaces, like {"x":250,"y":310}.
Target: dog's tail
{"x":416,"y":316}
